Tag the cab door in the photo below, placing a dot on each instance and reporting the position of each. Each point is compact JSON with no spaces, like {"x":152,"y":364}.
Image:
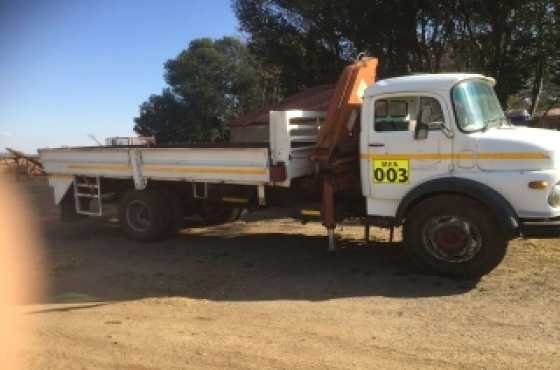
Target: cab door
{"x":408,"y":143}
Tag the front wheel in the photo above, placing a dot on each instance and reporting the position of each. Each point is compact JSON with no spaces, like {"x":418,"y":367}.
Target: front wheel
{"x":454,"y":236}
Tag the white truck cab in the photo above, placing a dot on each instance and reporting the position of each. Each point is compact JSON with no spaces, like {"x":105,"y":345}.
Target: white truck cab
{"x":446,"y":135}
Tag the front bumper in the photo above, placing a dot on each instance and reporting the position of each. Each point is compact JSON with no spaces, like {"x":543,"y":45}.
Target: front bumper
{"x":540,"y":228}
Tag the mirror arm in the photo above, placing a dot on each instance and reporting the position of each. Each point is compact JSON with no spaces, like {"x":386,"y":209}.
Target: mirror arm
{"x":447,"y":132}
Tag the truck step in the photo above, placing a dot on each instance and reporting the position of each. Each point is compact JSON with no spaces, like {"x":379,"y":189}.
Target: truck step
{"x":93,"y":183}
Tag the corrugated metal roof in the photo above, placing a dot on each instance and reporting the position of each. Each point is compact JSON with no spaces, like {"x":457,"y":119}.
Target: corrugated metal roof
{"x":551,"y":121}
{"x":554,"y":112}
{"x":551,"y":115}
{"x":315,"y":98}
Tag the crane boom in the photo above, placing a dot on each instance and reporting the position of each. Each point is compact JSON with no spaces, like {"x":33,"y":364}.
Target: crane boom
{"x":340,"y":125}
{"x":337,"y":151}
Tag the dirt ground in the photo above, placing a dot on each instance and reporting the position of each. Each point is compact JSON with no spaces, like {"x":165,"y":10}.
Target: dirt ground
{"x":264,"y":293}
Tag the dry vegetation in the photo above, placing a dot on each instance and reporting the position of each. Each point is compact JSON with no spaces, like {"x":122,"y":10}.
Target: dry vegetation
{"x":264,"y":293}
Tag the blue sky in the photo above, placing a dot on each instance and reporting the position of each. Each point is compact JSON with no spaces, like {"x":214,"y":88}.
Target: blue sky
{"x":73,"y":68}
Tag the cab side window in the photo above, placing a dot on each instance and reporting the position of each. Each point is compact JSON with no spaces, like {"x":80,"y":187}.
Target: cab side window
{"x":391,"y":115}
{"x":431,"y":113}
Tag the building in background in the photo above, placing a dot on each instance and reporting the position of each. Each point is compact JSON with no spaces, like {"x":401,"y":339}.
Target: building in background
{"x":253,"y":127}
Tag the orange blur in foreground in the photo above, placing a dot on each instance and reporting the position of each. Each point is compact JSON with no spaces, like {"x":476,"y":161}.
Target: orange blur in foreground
{"x":20,"y":281}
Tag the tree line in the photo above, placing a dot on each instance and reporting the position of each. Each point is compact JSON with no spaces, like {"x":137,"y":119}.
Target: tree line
{"x":293,"y":44}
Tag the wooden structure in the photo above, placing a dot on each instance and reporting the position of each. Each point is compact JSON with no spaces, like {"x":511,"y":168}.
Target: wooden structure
{"x":24,"y":164}
{"x":550,"y":119}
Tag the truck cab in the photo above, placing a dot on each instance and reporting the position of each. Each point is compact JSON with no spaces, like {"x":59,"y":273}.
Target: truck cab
{"x":438,"y":155}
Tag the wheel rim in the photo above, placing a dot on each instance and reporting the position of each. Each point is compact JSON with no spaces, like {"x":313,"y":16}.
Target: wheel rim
{"x":452,"y":239}
{"x":138,"y":216}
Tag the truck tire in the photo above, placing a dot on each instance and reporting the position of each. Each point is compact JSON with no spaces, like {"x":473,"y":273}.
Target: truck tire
{"x":219,"y":214}
{"x":144,"y":215}
{"x":454,"y":236}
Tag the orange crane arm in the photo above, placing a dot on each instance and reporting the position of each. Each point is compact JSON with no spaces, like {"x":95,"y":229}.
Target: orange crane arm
{"x":337,"y":151}
{"x":344,"y":106}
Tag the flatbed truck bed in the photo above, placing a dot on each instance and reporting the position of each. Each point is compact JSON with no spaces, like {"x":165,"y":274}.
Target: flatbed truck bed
{"x":284,"y":158}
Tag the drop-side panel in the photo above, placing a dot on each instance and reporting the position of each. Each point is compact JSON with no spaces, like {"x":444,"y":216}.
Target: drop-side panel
{"x":228,"y":165}
{"x":106,"y":162}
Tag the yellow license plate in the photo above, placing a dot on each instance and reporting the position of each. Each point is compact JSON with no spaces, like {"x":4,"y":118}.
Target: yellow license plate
{"x":391,"y":171}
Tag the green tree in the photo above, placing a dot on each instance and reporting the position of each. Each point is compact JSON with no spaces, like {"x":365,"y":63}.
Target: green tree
{"x":310,"y":40}
{"x":164,"y":117}
{"x":306,"y":50}
{"x":210,"y":83}
{"x":541,"y":43}
{"x":489,"y":42}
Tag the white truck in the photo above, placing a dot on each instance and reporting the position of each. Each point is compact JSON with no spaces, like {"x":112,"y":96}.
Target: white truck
{"x":432,"y":153}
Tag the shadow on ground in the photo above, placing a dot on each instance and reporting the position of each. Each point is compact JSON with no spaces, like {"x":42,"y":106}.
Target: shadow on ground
{"x":91,"y":261}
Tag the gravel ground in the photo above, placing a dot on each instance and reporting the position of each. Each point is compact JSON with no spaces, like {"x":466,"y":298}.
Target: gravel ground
{"x":263,"y":293}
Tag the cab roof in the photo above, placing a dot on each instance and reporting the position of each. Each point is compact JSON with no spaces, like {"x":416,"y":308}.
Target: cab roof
{"x":425,"y":82}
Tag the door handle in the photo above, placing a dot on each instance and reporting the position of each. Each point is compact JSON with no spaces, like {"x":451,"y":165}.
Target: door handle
{"x":377,"y":145}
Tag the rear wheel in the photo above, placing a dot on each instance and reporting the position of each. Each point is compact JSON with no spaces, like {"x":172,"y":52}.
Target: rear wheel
{"x":144,"y":215}
{"x":454,"y":236}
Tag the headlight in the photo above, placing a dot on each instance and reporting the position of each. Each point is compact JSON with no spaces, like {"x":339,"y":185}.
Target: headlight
{"x":554,"y":197}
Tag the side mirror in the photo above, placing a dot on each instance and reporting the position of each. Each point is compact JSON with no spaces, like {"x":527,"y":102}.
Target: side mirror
{"x":421,"y":131}
{"x":423,"y":125}
{"x":426,"y":124}
{"x":426,"y":114}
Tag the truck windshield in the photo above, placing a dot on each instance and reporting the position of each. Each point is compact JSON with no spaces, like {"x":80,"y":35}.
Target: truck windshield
{"x":476,"y":106}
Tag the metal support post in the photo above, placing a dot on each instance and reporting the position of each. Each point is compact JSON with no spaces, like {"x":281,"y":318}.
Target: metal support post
{"x":327,"y":210}
{"x":332,"y":240}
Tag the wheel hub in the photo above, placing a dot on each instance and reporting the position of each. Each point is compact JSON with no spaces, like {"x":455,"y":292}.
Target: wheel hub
{"x":452,"y":239}
{"x":138,"y":215}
